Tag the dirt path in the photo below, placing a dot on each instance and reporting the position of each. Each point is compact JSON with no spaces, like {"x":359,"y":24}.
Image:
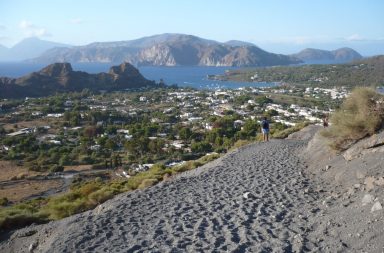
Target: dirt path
{"x":256,"y":199}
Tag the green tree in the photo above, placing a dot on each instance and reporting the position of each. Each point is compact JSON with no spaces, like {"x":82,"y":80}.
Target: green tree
{"x":111,"y":144}
{"x":262,"y":100}
{"x":185,"y":133}
{"x":201,"y":147}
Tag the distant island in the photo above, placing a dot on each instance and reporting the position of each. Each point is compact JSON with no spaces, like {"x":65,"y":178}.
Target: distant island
{"x":341,"y":55}
{"x":169,"y":50}
{"x":60,"y":77}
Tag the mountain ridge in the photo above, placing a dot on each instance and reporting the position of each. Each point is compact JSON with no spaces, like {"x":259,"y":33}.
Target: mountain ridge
{"x":166,"y":50}
{"x":169,"y":50}
{"x":28,"y":48}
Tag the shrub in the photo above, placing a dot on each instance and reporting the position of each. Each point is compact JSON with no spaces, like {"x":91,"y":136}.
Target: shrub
{"x":56,"y":168}
{"x":240,"y":143}
{"x":100,"y":196}
{"x":360,"y":115}
{"x":4,"y":201}
{"x":21,"y":215}
{"x":284,"y":133}
{"x":148,"y":182}
{"x":156,"y":172}
{"x":21,"y":176}
{"x":60,"y":207}
{"x":190,"y":165}
{"x":184,"y":167}
{"x":19,"y":220}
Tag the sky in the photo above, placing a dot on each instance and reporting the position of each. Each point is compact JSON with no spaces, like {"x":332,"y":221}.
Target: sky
{"x":278,"y":26}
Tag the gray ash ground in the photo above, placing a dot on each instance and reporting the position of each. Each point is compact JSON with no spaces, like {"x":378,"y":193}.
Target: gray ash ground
{"x":258,"y":198}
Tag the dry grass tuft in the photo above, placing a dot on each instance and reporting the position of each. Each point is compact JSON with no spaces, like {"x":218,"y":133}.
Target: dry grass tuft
{"x":361,"y":115}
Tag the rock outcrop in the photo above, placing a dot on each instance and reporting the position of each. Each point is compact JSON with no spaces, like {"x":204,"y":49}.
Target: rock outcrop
{"x":60,"y":77}
{"x":374,"y":143}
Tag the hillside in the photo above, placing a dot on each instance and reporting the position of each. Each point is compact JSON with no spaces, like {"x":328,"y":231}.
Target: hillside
{"x":341,"y":55}
{"x":60,"y":77}
{"x":169,"y":50}
{"x":364,"y":72}
{"x":261,"y":197}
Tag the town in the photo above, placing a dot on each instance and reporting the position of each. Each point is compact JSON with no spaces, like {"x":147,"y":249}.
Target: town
{"x":147,"y":127}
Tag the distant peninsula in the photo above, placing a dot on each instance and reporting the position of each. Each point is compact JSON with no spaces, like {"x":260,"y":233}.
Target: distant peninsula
{"x":60,"y":77}
{"x":364,"y":72}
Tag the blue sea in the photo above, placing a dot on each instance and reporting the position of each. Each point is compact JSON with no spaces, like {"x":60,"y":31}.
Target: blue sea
{"x":195,"y":77}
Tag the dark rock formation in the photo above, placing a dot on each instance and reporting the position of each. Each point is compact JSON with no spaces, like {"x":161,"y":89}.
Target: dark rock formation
{"x":60,"y":77}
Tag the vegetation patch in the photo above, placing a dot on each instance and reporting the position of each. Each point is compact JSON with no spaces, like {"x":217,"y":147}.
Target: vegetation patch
{"x":85,"y":196}
{"x":361,"y":115}
{"x":282,"y":134}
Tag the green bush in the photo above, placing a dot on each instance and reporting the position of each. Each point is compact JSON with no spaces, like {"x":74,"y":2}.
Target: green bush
{"x":360,"y":115}
{"x":148,"y":182}
{"x":60,"y":208}
{"x":190,"y":165}
{"x":101,"y":195}
{"x":4,"y":201}
{"x":240,"y":143}
{"x":21,"y":215}
{"x":285,"y":132}
{"x":156,"y":172}
{"x":56,"y":168}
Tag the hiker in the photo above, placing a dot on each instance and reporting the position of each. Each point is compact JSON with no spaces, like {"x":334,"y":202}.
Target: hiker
{"x":265,"y":129}
{"x":325,"y":121}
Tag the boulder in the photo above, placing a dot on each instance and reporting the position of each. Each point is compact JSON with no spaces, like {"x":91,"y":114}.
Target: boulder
{"x":375,"y":143}
{"x":376,"y":207}
{"x":368,"y":198}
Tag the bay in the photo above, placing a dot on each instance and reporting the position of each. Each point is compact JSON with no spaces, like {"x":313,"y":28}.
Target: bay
{"x":193,"y":76}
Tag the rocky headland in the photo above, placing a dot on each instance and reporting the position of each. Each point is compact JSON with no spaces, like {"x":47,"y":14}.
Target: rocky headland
{"x":60,"y":77}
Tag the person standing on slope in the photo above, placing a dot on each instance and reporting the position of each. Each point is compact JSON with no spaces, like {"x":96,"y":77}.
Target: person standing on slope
{"x":265,"y":129}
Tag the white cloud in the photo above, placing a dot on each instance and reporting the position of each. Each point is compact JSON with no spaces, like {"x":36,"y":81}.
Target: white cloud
{"x":25,"y":25}
{"x":76,"y":21}
{"x":354,"y":37}
{"x":2,"y":27}
{"x":41,"y":32}
{"x":33,"y":30}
